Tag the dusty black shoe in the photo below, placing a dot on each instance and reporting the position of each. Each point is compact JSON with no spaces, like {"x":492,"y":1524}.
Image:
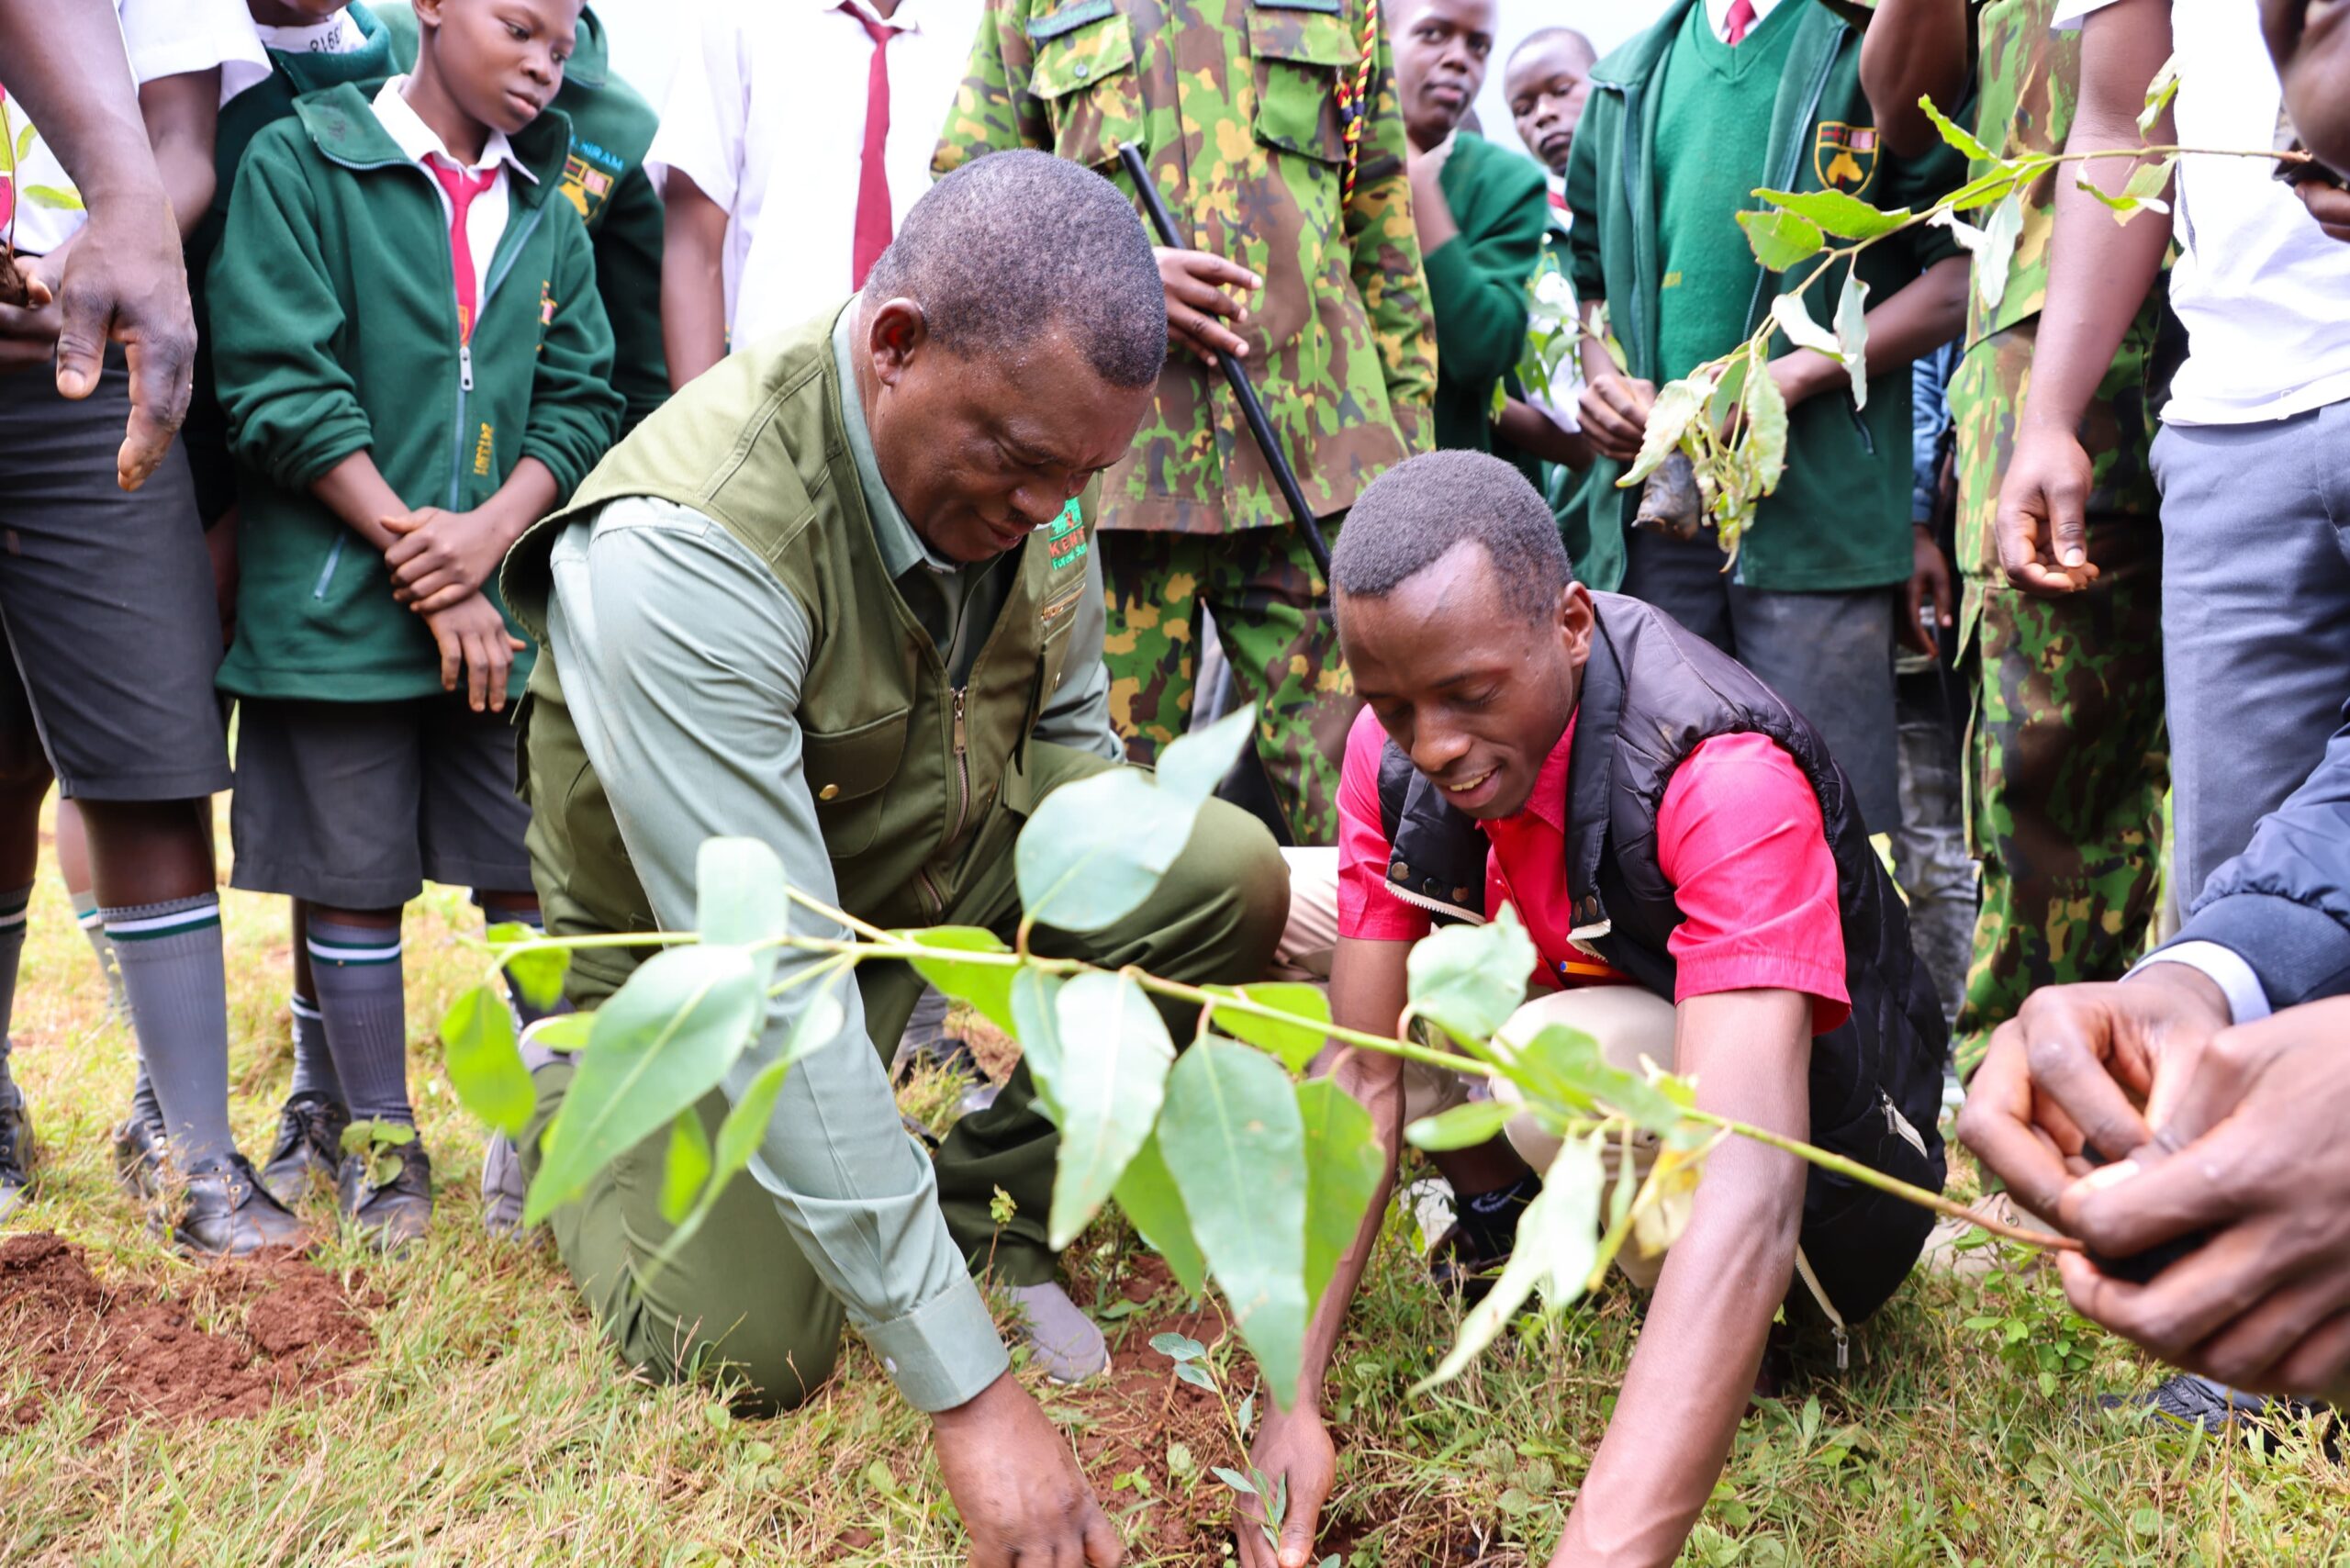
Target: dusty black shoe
{"x":138,"y":1156}
{"x":2188,"y":1400}
{"x":387,"y":1193}
{"x":225,"y":1212}
{"x":309,"y":1146}
{"x":1467,"y":1257}
{"x":15,"y":1149}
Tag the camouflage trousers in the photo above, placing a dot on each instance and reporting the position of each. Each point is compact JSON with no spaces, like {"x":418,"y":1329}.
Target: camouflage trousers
{"x":2066,"y":759}
{"x":1272,"y":614}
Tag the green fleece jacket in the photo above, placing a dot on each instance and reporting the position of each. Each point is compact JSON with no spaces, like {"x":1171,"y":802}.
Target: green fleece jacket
{"x":334,"y":331}
{"x":1477,"y":282}
{"x":611,"y":126}
{"x":1839,"y":520}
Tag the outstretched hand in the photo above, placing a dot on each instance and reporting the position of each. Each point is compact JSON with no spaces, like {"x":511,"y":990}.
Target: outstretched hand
{"x":1017,"y":1486}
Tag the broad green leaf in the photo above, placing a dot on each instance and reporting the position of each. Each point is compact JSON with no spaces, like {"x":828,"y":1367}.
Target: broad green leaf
{"x":536,"y":972}
{"x":685,"y":1169}
{"x":1036,"y":1025}
{"x":1766,"y":430}
{"x":1564,"y":1067}
{"x":1729,"y":390}
{"x":565,"y":1032}
{"x":1852,"y":335}
{"x":1780,"y":240}
{"x":1343,"y":1165}
{"x":1558,"y":1237}
{"x":485,"y":1068}
{"x":1233,"y":1140}
{"x":1801,"y":330}
{"x":2159,"y":93}
{"x":2146,"y":182}
{"x":1680,"y":403}
{"x":1178,"y":1346}
{"x":1957,"y":136}
{"x":1468,"y":980}
{"x":987,"y":987}
{"x":1095,"y":849}
{"x":1463,"y":1126}
{"x":1838,"y":213}
{"x":1191,"y":769}
{"x":1296,"y":1044}
{"x":660,"y":1043}
{"x":1146,"y":1193}
{"x":1194,"y":1373}
{"x":1107,"y":1091}
{"x":739,"y":898}
{"x":64,"y":198}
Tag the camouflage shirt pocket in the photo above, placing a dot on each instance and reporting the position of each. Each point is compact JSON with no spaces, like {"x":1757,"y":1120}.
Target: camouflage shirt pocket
{"x":1301,"y":47}
{"x":1084,"y":75}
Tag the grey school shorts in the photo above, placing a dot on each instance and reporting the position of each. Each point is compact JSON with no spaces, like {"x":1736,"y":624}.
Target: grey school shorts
{"x":355,"y":805}
{"x":107,"y":603}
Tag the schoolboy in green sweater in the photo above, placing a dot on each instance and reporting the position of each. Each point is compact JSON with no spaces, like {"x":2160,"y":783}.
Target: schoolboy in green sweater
{"x":389,"y":371}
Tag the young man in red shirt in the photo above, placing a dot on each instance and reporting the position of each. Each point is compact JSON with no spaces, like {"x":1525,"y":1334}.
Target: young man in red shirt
{"x":1686,"y":855}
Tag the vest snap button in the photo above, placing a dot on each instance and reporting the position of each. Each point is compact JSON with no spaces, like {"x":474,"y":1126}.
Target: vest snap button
{"x":1461,"y":895}
{"x":828,"y":791}
{"x":1399,"y":871}
{"x":1433,"y":888}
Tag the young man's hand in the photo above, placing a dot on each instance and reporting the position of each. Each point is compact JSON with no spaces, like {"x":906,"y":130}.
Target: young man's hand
{"x":29,"y":332}
{"x":1927,"y":594}
{"x":1017,"y":1486}
{"x":475,"y":646}
{"x":1203,"y":291}
{"x":2042,"y":523}
{"x":1295,"y":1444}
{"x":441,"y":556}
{"x":1614,"y":413}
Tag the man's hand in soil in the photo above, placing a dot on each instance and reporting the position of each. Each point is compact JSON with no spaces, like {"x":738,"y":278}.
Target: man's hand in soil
{"x":1296,"y":1445}
{"x":1614,"y":412}
{"x":1017,"y":1486}
{"x":1926,"y":602}
{"x":2042,"y":523}
{"x":2098,"y":1064}
{"x":477,"y":647}
{"x":1203,"y":292}
{"x":2265,"y":1303}
{"x":2329,"y":204}
{"x":440,"y":557}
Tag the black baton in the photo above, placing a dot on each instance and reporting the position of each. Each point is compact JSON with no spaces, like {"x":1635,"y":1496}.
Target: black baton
{"x":1250,"y":409}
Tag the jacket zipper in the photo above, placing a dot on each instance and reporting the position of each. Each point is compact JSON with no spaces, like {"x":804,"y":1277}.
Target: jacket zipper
{"x":465,"y":349}
{"x":334,"y":559}
{"x":1434,"y":906}
{"x":962,"y":802}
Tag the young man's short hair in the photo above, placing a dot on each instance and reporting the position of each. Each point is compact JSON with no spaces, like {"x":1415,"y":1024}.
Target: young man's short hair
{"x":1417,"y":511}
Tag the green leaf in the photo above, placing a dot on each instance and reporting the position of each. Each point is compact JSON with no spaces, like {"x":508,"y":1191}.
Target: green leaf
{"x":565,"y":1032}
{"x":1196,"y":1374}
{"x":1676,"y":408}
{"x":485,"y":1068}
{"x":1147,"y":1195}
{"x":660,"y":1043}
{"x":1191,"y":769}
{"x":1036,"y":1025}
{"x":1468,"y":980}
{"x":1558,"y":1240}
{"x":1838,"y":213}
{"x":1234,"y":1141}
{"x":25,"y":143}
{"x":1296,"y":1044}
{"x":740,"y":898}
{"x":1729,"y":389}
{"x":1563,"y":1066}
{"x":62,"y":197}
{"x":1766,"y":430}
{"x":2159,"y":93}
{"x":1095,"y":849}
{"x":987,"y":987}
{"x":1780,"y":240}
{"x":1106,"y":1094}
{"x":1343,"y":1165}
{"x":1463,"y":1126}
{"x":685,"y":1169}
{"x":1801,"y":330}
{"x":536,"y":970}
{"x":1998,"y":253}
{"x":1233,"y":1479}
{"x":1852,"y":335}
{"x":2146,"y":182}
{"x":1957,"y":136}
{"x":1178,"y":1346}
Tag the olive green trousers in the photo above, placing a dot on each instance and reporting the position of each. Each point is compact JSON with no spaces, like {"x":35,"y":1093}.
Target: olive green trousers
{"x":742,"y":1298}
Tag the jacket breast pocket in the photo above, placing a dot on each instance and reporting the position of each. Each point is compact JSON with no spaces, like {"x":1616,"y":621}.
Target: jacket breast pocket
{"x":848,"y":772}
{"x":1302,"y":49}
{"x":1084,"y":75}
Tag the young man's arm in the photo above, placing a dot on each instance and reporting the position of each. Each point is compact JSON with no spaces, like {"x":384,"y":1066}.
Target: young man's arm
{"x":2097,"y":277}
{"x":1386,"y":262}
{"x":1914,"y":49}
{"x":1750,"y":1052}
{"x":700,"y":149}
{"x":1918,"y":318}
{"x":693,"y":278}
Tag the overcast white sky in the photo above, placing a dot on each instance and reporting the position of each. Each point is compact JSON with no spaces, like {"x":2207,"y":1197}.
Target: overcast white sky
{"x":648,"y":35}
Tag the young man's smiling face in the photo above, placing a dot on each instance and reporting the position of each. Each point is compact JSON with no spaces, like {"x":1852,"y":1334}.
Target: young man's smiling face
{"x":1440,"y":48}
{"x":1548,"y":82}
{"x":1475,"y":689}
{"x":499,"y":61}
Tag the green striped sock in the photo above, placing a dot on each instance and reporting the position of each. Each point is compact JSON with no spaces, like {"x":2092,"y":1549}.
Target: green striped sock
{"x":94,"y":926}
{"x":12,"y":947}
{"x":355,"y":970}
{"x":172,"y":972}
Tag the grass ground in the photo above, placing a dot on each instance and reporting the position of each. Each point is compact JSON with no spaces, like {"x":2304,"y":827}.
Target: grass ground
{"x":490,"y":1425}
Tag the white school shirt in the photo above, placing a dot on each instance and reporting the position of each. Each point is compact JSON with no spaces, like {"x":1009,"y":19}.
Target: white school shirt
{"x":160,"y":38}
{"x":338,"y":34}
{"x":2263,"y":293}
{"x":486,"y":217}
{"x":1717,"y":15}
{"x":771,"y":107}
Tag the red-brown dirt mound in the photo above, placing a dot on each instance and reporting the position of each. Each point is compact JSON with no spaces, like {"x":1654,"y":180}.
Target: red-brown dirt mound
{"x":230,"y":1340}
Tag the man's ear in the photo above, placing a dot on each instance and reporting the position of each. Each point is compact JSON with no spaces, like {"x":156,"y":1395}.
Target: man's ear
{"x":895,"y":333}
{"x":427,"y":13}
{"x":1577,"y":616}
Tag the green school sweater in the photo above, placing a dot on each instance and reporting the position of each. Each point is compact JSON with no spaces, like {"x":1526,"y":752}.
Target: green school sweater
{"x":1477,"y":282}
{"x":611,"y":126}
{"x":334,"y":331}
{"x":1839,"y":520}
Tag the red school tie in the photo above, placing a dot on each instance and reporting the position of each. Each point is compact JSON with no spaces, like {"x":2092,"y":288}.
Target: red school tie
{"x":1738,"y":22}
{"x":873,"y":224}
{"x":462,"y":185}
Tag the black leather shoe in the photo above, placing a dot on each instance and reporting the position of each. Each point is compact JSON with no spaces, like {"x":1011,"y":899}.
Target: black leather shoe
{"x":2188,"y":1400}
{"x":16,"y":1151}
{"x":138,"y":1156}
{"x":309,"y":1146}
{"x":394,"y":1213}
{"x":225,"y":1212}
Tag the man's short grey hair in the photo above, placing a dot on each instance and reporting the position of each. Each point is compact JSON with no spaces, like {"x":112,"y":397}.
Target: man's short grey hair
{"x":1417,"y":511}
{"x":1014,"y":244}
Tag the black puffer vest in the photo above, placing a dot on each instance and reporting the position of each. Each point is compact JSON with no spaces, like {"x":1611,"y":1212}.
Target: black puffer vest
{"x":1651,"y":692}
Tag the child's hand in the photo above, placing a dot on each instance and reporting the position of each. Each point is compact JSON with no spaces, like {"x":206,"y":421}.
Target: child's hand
{"x":473,"y":638}
{"x":442,"y":557}
{"x":29,"y":332}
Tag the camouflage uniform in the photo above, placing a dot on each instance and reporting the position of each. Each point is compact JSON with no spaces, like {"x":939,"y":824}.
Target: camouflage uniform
{"x":2066,"y":757}
{"x":1235,"y":102}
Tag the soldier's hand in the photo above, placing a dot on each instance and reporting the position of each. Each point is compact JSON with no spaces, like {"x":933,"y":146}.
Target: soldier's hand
{"x":2043,"y":523}
{"x":1614,"y":412}
{"x":1203,"y":293}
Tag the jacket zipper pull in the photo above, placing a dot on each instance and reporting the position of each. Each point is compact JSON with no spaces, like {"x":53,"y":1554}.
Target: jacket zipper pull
{"x":959,"y":735}
{"x":465,"y":367}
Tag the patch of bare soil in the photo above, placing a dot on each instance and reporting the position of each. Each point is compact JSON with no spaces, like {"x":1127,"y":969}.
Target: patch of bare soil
{"x":233,"y":1340}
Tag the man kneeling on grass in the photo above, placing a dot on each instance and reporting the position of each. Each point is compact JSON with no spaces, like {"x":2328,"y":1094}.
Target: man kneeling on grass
{"x":1688,"y":861}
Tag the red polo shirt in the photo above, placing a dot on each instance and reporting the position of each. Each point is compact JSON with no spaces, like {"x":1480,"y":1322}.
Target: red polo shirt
{"x":1739,"y":836}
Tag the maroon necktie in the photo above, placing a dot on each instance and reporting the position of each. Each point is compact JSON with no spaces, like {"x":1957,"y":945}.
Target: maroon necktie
{"x":1738,"y":22}
{"x":873,"y":226}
